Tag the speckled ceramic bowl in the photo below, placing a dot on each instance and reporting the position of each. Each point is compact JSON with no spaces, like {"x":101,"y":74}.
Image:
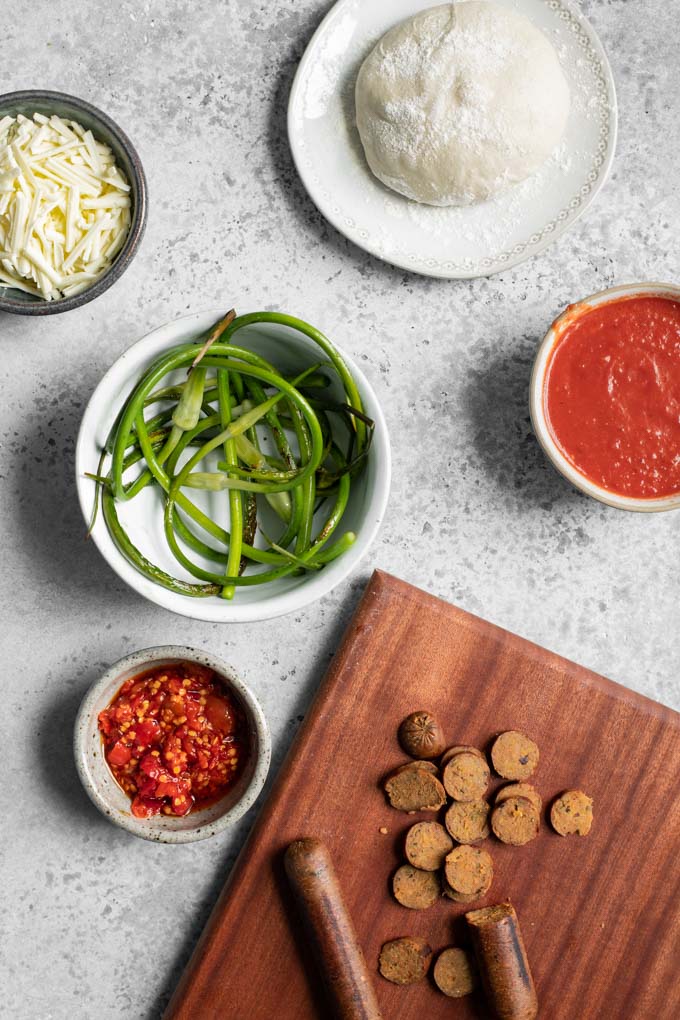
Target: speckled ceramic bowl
{"x":105,"y":130}
{"x":104,"y":791}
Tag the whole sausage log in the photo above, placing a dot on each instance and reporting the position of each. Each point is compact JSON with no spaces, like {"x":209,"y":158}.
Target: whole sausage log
{"x":312,"y":876}
{"x":503,"y":962}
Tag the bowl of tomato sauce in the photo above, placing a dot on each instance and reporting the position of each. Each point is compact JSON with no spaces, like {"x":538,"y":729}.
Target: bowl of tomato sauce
{"x":605,"y":396}
{"x":171,"y":745}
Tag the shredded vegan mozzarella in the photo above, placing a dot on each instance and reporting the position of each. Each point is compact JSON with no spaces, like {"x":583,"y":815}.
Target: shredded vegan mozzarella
{"x":64,"y":206}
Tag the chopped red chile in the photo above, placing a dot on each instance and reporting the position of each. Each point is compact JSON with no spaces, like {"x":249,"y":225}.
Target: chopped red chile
{"x":174,"y":739}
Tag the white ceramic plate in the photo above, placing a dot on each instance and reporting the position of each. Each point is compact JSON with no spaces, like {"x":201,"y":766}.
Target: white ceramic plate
{"x":454,"y":243}
{"x":142,"y":516}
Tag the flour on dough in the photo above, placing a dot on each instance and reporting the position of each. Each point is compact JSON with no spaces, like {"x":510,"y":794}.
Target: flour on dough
{"x":460,"y":102}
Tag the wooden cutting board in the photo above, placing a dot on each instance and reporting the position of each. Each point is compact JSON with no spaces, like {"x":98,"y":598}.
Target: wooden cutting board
{"x":600,"y":915}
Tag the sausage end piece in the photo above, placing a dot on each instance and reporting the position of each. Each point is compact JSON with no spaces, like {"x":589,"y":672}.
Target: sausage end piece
{"x":503,"y":962}
{"x":341,"y":962}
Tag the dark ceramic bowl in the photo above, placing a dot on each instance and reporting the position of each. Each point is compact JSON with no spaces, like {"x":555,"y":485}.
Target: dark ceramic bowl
{"x":105,"y":130}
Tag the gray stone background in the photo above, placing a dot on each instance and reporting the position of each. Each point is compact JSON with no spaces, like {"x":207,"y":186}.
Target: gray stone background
{"x":95,"y":922}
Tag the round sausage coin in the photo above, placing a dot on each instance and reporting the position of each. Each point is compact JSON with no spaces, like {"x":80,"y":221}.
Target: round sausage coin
{"x":468,"y":869}
{"x":404,"y":961}
{"x":514,"y":755}
{"x":466,"y":776}
{"x":426,"y":766}
{"x":515,"y":821}
{"x":427,"y":844}
{"x":468,"y":821}
{"x":465,"y":897}
{"x":414,"y":888}
{"x":454,"y":974}
{"x":458,"y":749}
{"x":520,"y":790}
{"x":572,"y":813}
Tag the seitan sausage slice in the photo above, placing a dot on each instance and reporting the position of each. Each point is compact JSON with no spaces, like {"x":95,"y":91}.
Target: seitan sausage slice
{"x":454,"y":973}
{"x":427,"y":844}
{"x":458,"y":749}
{"x":515,"y":821}
{"x":464,"y":897}
{"x":503,"y":962}
{"x":514,"y":755}
{"x":572,"y":813}
{"x":405,"y":960}
{"x":414,"y":789}
{"x":414,"y":888}
{"x":468,"y":869}
{"x":468,"y":821}
{"x":466,"y":776}
{"x":520,"y":790}
{"x":427,"y":766}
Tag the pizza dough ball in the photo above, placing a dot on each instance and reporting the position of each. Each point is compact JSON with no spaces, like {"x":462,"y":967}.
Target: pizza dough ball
{"x":460,"y":102}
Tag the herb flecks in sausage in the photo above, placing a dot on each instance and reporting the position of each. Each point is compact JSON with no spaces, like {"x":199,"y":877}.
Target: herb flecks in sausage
{"x":468,"y":821}
{"x":515,"y":821}
{"x":466,"y":776}
{"x":454,"y":973}
{"x":468,"y":870}
{"x":404,"y":961}
{"x":414,"y":888}
{"x":427,"y":844}
{"x":572,"y":814}
{"x":514,"y":755}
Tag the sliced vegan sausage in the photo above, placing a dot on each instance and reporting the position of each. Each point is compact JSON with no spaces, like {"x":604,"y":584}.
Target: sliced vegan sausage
{"x":427,"y":844}
{"x":572,"y":813}
{"x":503,"y":962}
{"x":515,"y":821}
{"x":468,"y":821}
{"x":454,"y":973}
{"x":465,"y":897}
{"x":414,"y":888}
{"x":405,"y":960}
{"x":427,"y":766}
{"x":458,"y":749}
{"x":520,"y":790}
{"x":466,"y":776}
{"x":468,"y":869}
{"x":414,"y":789}
{"x":514,"y":755}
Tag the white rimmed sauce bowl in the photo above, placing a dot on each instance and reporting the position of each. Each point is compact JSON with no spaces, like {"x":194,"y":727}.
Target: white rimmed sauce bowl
{"x":537,"y":399}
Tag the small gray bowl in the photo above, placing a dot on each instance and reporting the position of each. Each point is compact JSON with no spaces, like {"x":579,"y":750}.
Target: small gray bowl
{"x":105,"y":792}
{"x":105,"y":130}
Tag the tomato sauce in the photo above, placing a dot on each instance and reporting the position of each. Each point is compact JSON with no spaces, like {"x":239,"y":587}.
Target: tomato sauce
{"x":612,"y":395}
{"x":174,"y":739}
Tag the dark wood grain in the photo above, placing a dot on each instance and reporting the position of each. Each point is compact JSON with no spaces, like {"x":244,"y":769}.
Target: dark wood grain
{"x":600,"y":914}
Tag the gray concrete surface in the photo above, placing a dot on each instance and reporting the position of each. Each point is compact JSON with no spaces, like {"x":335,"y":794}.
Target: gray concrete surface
{"x":97,"y":924}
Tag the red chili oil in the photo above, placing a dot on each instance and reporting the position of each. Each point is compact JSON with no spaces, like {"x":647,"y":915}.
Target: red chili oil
{"x":174,"y":739}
